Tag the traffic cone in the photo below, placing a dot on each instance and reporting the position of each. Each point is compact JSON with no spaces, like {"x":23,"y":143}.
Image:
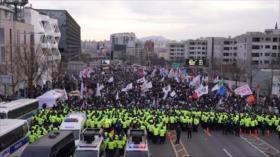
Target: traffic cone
{"x":256,"y":133}
{"x":168,"y":135}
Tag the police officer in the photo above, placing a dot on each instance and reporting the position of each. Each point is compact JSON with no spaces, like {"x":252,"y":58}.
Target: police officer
{"x":189,"y":130}
{"x":178,"y":133}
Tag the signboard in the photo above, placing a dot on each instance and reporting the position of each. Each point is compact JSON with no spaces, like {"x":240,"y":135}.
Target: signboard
{"x":6,"y":79}
{"x":195,"y":62}
{"x":175,"y":65}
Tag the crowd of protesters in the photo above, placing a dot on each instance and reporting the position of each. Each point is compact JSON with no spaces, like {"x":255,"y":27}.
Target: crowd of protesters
{"x":112,"y":105}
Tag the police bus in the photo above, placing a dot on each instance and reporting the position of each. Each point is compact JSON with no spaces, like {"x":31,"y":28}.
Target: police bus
{"x":19,"y":109}
{"x":137,"y":145}
{"x":74,"y":122}
{"x":13,"y":136}
{"x":54,"y":144}
{"x":91,"y":144}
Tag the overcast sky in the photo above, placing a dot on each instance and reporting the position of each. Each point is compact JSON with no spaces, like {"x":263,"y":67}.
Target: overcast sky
{"x":173,"y":19}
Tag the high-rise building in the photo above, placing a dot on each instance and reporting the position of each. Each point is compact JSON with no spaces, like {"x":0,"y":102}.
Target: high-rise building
{"x":46,"y":39}
{"x":70,"y":41}
{"x":119,"y":43}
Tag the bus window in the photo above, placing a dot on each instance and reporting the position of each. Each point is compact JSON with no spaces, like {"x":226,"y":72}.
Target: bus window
{"x":3,"y":116}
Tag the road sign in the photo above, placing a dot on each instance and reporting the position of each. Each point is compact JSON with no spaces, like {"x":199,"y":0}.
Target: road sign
{"x":6,"y":79}
{"x":175,"y":65}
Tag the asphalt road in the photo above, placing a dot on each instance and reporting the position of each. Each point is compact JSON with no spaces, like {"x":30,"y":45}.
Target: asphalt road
{"x":164,"y":150}
{"x":215,"y":144}
{"x":273,"y":140}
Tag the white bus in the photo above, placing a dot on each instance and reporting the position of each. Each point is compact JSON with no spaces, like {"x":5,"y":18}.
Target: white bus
{"x":13,"y":136}
{"x":74,"y":122}
{"x":19,"y":109}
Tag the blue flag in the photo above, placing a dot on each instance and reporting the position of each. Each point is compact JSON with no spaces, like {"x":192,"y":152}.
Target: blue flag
{"x":221,"y":90}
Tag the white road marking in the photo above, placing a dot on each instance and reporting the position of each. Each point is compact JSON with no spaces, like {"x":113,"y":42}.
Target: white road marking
{"x":243,"y":138}
{"x":227,"y":152}
{"x":276,"y":150}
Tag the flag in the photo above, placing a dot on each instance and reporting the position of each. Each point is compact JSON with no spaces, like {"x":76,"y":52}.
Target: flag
{"x":65,"y":95}
{"x":171,"y":73}
{"x":172,"y":94}
{"x":74,"y":78}
{"x":216,"y":87}
{"x":117,"y":96}
{"x":221,"y":90}
{"x":165,"y":91}
{"x":127,"y":88}
{"x":82,"y":90}
{"x":141,"y":80}
{"x":196,"y":81}
{"x":216,"y":80}
{"x":154,"y":72}
{"x":201,"y":90}
{"x":111,"y":79}
{"x":98,"y":89}
{"x":243,"y":90}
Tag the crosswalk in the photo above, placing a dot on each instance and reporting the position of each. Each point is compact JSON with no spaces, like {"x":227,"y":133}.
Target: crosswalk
{"x":179,"y":149}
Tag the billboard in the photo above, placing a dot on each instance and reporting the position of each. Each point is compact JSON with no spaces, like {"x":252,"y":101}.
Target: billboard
{"x":195,"y":62}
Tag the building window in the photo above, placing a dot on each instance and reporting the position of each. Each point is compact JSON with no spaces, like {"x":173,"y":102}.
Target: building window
{"x":255,"y":47}
{"x":226,"y":42}
{"x":267,"y":39}
{"x":255,"y":62}
{"x":2,"y":54}
{"x":255,"y":54}
{"x":256,"y":39}
{"x":226,"y":60}
{"x":273,"y":55}
{"x":266,"y":62}
{"x":235,"y":54}
{"x":274,"y":47}
{"x":267,"y":54}
{"x":226,"y":48}
{"x":274,"y":39}
{"x":1,"y":35}
{"x":191,"y":53}
{"x":267,"y":46}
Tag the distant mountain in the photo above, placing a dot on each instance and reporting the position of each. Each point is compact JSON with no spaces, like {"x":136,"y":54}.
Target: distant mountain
{"x":154,"y":38}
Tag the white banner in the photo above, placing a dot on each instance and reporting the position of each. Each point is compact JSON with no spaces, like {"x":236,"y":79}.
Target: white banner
{"x":243,"y":90}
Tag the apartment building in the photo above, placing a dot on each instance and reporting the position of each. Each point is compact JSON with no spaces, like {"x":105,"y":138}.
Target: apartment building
{"x":196,"y":49}
{"x":176,"y":51}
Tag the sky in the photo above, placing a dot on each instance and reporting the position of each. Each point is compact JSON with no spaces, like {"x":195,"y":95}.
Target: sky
{"x":173,"y":19}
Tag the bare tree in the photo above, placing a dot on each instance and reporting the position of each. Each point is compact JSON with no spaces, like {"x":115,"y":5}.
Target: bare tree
{"x":30,"y":65}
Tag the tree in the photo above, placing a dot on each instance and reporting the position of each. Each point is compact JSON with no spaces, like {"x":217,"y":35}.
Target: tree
{"x":30,"y":64}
